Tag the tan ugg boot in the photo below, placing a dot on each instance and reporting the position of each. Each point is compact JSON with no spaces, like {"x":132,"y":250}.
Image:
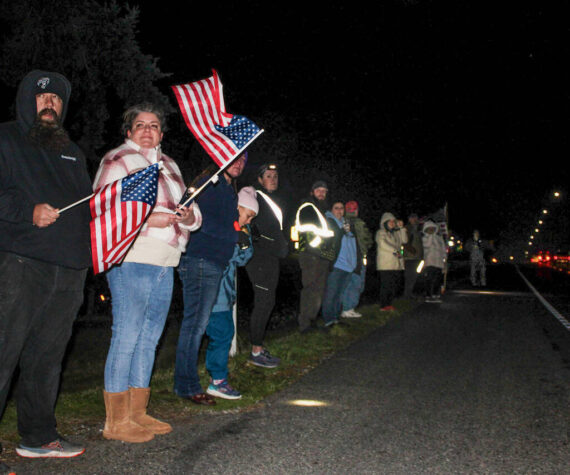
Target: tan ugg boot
{"x":139,"y":403}
{"x":118,"y":424}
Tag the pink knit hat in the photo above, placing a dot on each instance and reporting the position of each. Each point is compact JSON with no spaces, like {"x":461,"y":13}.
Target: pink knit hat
{"x":247,"y":198}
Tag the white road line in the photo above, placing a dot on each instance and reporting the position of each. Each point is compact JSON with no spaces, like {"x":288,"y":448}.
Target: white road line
{"x":491,"y":292}
{"x":549,"y":307}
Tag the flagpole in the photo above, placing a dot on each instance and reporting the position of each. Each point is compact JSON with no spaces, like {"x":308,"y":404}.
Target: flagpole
{"x":214,"y":177}
{"x":76,"y":203}
{"x":444,"y":287}
{"x":233,"y":347}
{"x":91,"y":196}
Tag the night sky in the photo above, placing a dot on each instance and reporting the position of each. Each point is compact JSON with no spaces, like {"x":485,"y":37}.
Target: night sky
{"x":472,"y":99}
{"x":458,"y":102}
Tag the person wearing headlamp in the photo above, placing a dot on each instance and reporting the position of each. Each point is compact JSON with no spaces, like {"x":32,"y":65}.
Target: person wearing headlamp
{"x":269,"y":246}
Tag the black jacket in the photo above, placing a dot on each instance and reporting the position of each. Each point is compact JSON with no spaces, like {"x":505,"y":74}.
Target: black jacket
{"x":269,"y":239}
{"x":30,"y":175}
{"x":328,"y":247}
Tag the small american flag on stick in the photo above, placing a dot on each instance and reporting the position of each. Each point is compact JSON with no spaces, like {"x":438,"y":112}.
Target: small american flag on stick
{"x":224,"y":136}
{"x":119,"y":210}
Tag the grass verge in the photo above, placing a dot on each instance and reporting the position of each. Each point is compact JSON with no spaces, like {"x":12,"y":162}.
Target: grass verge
{"x":80,"y":408}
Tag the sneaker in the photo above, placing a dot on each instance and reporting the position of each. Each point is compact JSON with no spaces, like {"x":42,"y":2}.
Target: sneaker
{"x":223,"y":390}
{"x":350,"y":314}
{"x":433,"y":299}
{"x":264,"y":359}
{"x":59,"y":448}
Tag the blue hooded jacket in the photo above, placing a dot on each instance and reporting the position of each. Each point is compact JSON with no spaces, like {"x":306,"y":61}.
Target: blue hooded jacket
{"x":227,"y":293}
{"x":346,"y":259}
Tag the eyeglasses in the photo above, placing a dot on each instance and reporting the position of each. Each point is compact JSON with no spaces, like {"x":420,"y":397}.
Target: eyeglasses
{"x":154,"y":126}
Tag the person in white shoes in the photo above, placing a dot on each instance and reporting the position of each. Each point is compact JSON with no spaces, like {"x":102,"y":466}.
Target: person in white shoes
{"x":364,"y":241}
{"x":350,"y":314}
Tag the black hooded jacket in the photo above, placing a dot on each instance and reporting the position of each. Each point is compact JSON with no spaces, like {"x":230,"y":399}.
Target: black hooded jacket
{"x":328,"y":247}
{"x":30,"y":175}
{"x":269,"y":239}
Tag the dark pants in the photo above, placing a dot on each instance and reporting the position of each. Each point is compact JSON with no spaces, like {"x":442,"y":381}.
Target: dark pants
{"x":433,"y":281}
{"x":263,"y":272}
{"x":390,"y":282}
{"x":315,"y":271}
{"x":410,"y":276}
{"x":39,"y":303}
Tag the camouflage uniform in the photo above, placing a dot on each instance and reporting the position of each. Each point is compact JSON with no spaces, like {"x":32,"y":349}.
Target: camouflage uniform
{"x":476,"y":248}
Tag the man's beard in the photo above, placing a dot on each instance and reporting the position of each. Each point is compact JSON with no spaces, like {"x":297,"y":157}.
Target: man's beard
{"x":323,"y":205}
{"x":49,"y":135}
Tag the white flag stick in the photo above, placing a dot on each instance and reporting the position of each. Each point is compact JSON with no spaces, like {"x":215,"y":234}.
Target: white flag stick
{"x":233,"y":347}
{"x":92,"y":195}
{"x":76,"y":203}
{"x":214,"y":177}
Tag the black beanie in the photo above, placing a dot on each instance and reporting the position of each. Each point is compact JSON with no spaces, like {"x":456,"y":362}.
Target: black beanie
{"x":51,"y":84}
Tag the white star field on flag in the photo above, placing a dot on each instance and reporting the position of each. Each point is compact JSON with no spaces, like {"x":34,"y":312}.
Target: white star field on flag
{"x":141,"y":188}
{"x":240,"y":131}
{"x":119,"y":210}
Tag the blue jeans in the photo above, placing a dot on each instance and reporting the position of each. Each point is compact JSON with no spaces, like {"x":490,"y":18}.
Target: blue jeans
{"x":200,"y":283}
{"x":220,"y":332}
{"x":352,"y":292}
{"x":141,"y":296}
{"x":332,"y":302}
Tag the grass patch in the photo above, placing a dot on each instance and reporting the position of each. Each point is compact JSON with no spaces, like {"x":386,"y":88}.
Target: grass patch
{"x":80,"y":406}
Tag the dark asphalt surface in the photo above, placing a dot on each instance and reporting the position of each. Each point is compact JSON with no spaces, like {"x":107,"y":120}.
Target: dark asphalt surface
{"x":478,"y":384}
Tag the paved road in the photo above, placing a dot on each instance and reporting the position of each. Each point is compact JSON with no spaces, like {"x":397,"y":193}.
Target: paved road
{"x":474,"y":385}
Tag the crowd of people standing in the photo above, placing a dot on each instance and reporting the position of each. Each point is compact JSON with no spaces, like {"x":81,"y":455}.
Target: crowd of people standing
{"x":44,"y":257}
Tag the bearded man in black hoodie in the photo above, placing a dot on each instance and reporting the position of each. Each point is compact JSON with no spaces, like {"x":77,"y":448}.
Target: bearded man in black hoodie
{"x":44,"y":256}
{"x":269,"y":246}
{"x":318,"y":249}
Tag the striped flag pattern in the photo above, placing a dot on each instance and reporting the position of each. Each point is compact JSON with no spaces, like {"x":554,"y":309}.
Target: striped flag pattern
{"x":119,"y":210}
{"x":221,"y":134}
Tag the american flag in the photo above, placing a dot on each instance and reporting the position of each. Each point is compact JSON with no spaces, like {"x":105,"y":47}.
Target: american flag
{"x":222,"y":135}
{"x":118,"y":210}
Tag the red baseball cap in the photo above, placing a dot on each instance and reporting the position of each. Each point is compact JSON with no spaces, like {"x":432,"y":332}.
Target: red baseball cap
{"x":351,"y":206}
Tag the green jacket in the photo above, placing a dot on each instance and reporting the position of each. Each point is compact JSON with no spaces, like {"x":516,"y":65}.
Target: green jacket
{"x":363,"y":235}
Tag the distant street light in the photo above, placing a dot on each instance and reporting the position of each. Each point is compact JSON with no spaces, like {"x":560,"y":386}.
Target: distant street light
{"x":544,"y":211}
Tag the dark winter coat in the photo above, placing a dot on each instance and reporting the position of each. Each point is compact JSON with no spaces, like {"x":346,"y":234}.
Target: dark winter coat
{"x":329,"y":245}
{"x":269,"y":239}
{"x":30,"y":175}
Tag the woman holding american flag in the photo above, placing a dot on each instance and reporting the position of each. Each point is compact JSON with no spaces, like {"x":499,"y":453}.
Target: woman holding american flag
{"x":141,"y":286}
